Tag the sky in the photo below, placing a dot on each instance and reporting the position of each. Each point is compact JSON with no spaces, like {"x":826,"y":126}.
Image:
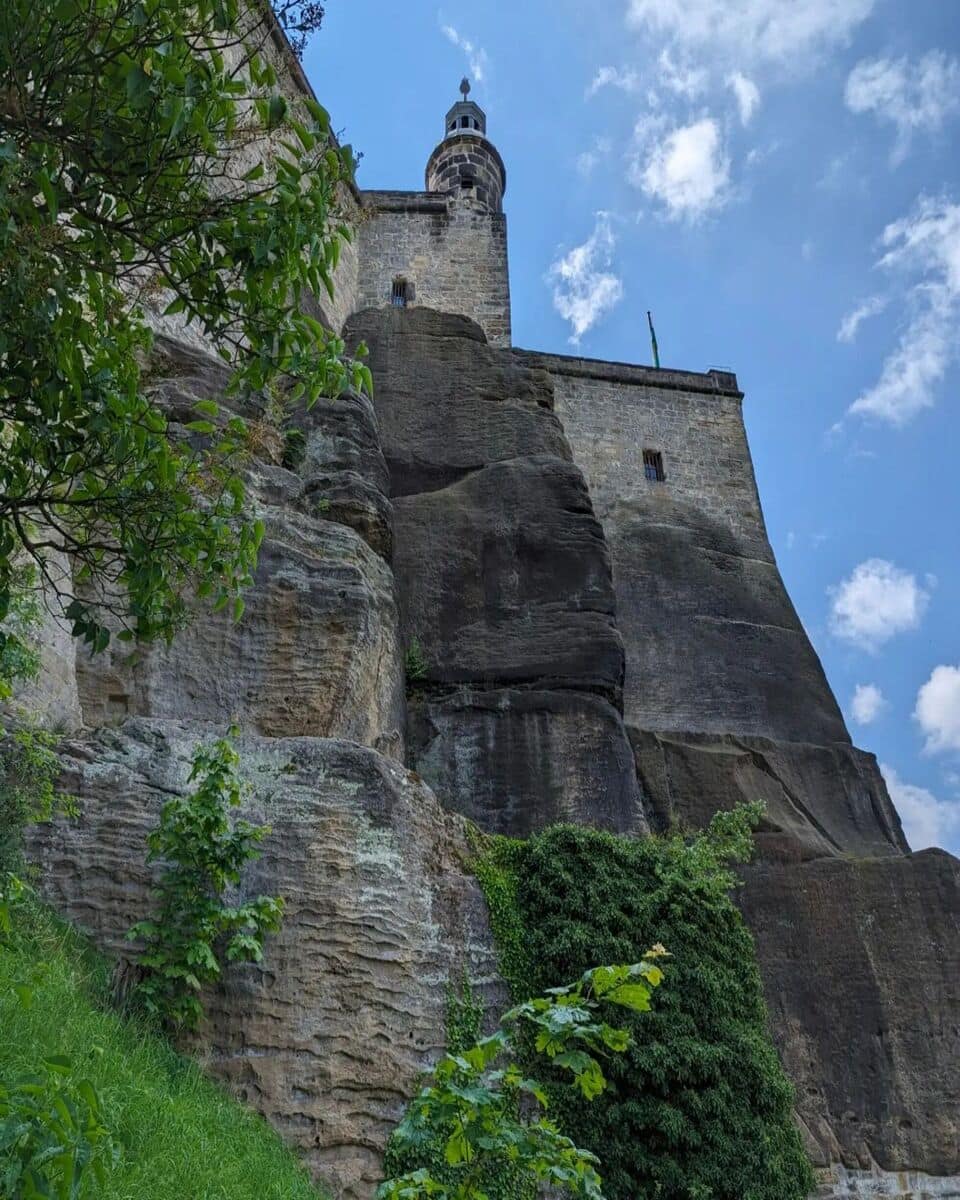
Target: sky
{"x":779,"y":182}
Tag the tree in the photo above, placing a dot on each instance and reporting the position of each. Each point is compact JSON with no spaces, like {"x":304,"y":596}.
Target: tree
{"x":148,"y":157}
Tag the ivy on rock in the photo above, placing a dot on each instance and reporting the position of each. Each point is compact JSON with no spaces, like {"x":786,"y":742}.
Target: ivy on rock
{"x":698,"y":1107}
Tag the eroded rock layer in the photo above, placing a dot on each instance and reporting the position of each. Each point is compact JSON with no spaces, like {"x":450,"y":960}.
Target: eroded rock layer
{"x":328,"y":1037}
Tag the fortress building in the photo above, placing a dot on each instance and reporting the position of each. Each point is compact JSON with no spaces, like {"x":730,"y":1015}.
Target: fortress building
{"x":569,"y":559}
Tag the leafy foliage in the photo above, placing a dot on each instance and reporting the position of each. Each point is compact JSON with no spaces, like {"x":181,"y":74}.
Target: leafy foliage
{"x":19,"y":654}
{"x":53,"y":1137}
{"x":148,"y":158}
{"x":698,"y":1107}
{"x":490,"y":1116}
{"x":203,"y":856}
{"x":28,"y":774}
{"x":415,"y":662}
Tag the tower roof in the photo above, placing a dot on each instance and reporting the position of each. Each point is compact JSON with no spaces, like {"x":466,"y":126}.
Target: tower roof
{"x":466,"y":115}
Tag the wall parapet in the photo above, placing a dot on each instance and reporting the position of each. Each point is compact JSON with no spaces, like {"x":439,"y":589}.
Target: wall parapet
{"x":713,"y":382}
{"x":391,"y":201}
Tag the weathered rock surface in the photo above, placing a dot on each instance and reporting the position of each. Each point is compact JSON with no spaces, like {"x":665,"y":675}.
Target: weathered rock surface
{"x":504,"y":582}
{"x":328,"y":1036}
{"x":447,"y":402}
{"x":861,"y":968}
{"x":714,"y":644}
{"x":820,"y":800}
{"x":516,"y":761}
{"x":316,"y":654}
{"x":503,"y":578}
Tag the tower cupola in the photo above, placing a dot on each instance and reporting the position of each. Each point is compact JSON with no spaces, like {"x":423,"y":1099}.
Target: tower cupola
{"x":466,"y":165}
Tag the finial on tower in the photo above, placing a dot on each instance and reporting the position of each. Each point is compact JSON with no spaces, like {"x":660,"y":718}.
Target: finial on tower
{"x":464,"y":87}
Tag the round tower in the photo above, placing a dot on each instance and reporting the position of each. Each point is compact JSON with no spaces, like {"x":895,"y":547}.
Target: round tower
{"x":465,"y":164}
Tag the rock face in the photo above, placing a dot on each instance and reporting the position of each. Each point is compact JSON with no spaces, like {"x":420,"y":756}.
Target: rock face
{"x":688,"y":777}
{"x":861,"y":963}
{"x":317,"y":652}
{"x":591,"y":634}
{"x":328,"y":1037}
{"x":504,"y":583}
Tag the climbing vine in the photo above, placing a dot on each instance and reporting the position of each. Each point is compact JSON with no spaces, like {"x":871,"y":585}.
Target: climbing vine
{"x":698,"y":1108}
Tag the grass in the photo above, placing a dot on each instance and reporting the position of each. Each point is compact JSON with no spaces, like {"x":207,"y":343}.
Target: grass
{"x":183,"y":1138}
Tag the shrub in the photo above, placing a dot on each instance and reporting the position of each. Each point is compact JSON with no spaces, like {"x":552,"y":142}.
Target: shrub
{"x":204,"y":855}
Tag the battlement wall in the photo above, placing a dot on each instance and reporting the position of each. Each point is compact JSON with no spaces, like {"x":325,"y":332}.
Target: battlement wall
{"x":451,"y":252}
{"x":613,"y":412}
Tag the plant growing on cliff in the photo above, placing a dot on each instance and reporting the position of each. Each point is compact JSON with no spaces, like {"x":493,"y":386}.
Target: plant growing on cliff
{"x":203,"y":855}
{"x":29,"y":768}
{"x":699,"y":1105}
{"x":149,"y":158}
{"x":488,"y":1117}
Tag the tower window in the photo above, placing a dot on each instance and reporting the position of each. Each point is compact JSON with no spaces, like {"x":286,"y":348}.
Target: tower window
{"x":653,"y":466}
{"x":466,"y":181}
{"x":398,"y":293}
{"x":464,"y":122}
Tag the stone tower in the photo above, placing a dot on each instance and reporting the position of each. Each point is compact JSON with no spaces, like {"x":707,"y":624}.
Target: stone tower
{"x":466,"y":164}
{"x":444,"y":248}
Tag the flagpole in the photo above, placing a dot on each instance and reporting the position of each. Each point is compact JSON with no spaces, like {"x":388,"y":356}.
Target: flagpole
{"x":653,"y":341}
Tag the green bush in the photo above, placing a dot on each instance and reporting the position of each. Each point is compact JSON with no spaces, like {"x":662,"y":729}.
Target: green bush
{"x":204,"y":854}
{"x":180,"y":1135}
{"x":699,"y":1107}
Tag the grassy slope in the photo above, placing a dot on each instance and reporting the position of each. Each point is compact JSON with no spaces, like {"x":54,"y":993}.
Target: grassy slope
{"x":183,"y":1138}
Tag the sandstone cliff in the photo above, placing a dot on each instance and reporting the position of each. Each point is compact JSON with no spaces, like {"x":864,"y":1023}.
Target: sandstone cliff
{"x":593,"y":651}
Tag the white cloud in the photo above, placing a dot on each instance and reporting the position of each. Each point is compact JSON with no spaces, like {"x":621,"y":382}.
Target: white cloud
{"x":688,"y":170}
{"x":589,"y":159}
{"x":926,"y":244}
{"x":789,"y":33}
{"x":863,"y":312}
{"x":867,"y":703}
{"x":938,"y":709}
{"x":747,"y":94}
{"x":914,"y":97}
{"x":584,"y":287}
{"x":926,"y":820}
{"x":625,"y":79}
{"x":476,"y":55}
{"x":683,"y":79}
{"x":876,"y":602}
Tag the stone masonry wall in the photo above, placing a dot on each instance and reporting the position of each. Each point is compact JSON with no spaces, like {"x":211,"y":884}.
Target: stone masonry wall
{"x":451,"y":251}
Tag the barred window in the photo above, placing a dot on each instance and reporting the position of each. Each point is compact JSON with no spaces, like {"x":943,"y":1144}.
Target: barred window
{"x":398,"y":293}
{"x":653,"y":466}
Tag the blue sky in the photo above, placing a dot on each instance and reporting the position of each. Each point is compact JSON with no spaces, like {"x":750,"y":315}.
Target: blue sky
{"x":779,"y":181}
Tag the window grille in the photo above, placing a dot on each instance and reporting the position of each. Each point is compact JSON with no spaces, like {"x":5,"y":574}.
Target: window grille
{"x":398,"y":293}
{"x":653,"y":466}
